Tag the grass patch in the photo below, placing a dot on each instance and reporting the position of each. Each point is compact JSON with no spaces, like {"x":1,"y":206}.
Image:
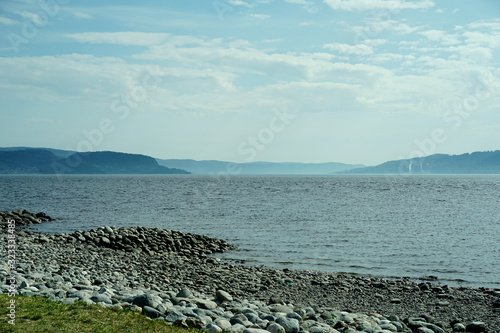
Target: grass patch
{"x":38,"y":314}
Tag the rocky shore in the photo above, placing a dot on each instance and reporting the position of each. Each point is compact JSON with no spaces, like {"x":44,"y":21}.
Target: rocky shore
{"x":170,"y":276}
{"x":22,"y":218}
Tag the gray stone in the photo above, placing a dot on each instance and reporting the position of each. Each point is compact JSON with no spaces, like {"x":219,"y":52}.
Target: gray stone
{"x":276,"y":328}
{"x":151,"y":312}
{"x":223,"y":296}
{"x":322,"y":329}
{"x":424,"y":330}
{"x":268,"y":317}
{"x":254,"y":318}
{"x":44,"y":239}
{"x":145,"y":300}
{"x":238,"y":320}
{"x":414,"y":324}
{"x":79,"y":294}
{"x":87,"y":301}
{"x":399,"y":326}
{"x":365,"y":327}
{"x":496,"y":304}
{"x":101,"y":298}
{"x":85,"y":282}
{"x":223,"y":323}
{"x":205,"y":304}
{"x":476,"y":326}
{"x":289,"y":324}
{"x":254,"y":330}
{"x":281,"y":308}
{"x":458,"y":327}
{"x":389,"y":327}
{"x":295,"y":316}
{"x":174,"y":316}
{"x":162,"y":308}
{"x":212,"y":328}
{"x":60,"y":293}
{"x":195,"y":323}
{"x":184,"y":293}
{"x":68,"y":300}
{"x":237,"y":328}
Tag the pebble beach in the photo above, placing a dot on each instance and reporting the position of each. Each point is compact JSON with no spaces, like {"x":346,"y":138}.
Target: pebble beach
{"x":171,"y":276}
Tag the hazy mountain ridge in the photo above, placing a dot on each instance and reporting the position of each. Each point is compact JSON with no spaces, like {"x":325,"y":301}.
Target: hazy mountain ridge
{"x":44,"y":161}
{"x":25,"y":160}
{"x":256,"y":168}
{"x":468,"y":163}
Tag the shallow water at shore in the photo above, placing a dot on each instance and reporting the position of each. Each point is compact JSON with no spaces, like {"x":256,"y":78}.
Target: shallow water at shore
{"x":385,"y":226}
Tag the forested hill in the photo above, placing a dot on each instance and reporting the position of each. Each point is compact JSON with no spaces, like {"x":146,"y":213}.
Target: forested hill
{"x":41,"y":161}
{"x":473,"y":163}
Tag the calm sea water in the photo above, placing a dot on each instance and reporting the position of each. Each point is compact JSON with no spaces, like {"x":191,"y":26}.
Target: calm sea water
{"x":384,"y":226}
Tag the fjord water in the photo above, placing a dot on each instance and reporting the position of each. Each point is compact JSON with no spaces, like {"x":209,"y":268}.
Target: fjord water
{"x":383,"y":226}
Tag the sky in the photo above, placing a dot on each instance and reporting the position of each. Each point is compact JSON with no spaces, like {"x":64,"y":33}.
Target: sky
{"x":352,"y":81}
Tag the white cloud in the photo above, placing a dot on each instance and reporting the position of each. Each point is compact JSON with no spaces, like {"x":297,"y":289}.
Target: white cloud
{"x":441,"y":36}
{"x":490,"y":25}
{"x":391,"y":5}
{"x":392,"y":57}
{"x":68,"y":76}
{"x":82,"y":15}
{"x":25,"y":14}
{"x":307,"y":5}
{"x":120,"y":38}
{"x":375,"y":26}
{"x":474,"y":54}
{"x":64,"y":77}
{"x":375,"y":42}
{"x":359,"y":49}
{"x":272,"y":41}
{"x":8,"y":21}
{"x":239,"y":3}
{"x":260,"y":16}
{"x":491,"y":40}
{"x":300,"y":2}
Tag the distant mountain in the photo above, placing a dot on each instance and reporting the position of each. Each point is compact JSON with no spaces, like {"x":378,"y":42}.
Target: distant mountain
{"x":256,"y":168}
{"x":57,"y":152}
{"x":27,"y":161}
{"x":473,"y":163}
{"x":42,"y":161}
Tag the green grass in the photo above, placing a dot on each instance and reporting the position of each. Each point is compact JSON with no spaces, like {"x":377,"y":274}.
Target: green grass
{"x":38,"y":314}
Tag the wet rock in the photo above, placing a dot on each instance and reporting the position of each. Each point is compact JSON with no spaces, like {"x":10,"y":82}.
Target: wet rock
{"x":475,"y":326}
{"x":152,"y":266}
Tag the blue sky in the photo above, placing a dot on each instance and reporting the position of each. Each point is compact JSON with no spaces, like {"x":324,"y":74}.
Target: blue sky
{"x":354,"y":81}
